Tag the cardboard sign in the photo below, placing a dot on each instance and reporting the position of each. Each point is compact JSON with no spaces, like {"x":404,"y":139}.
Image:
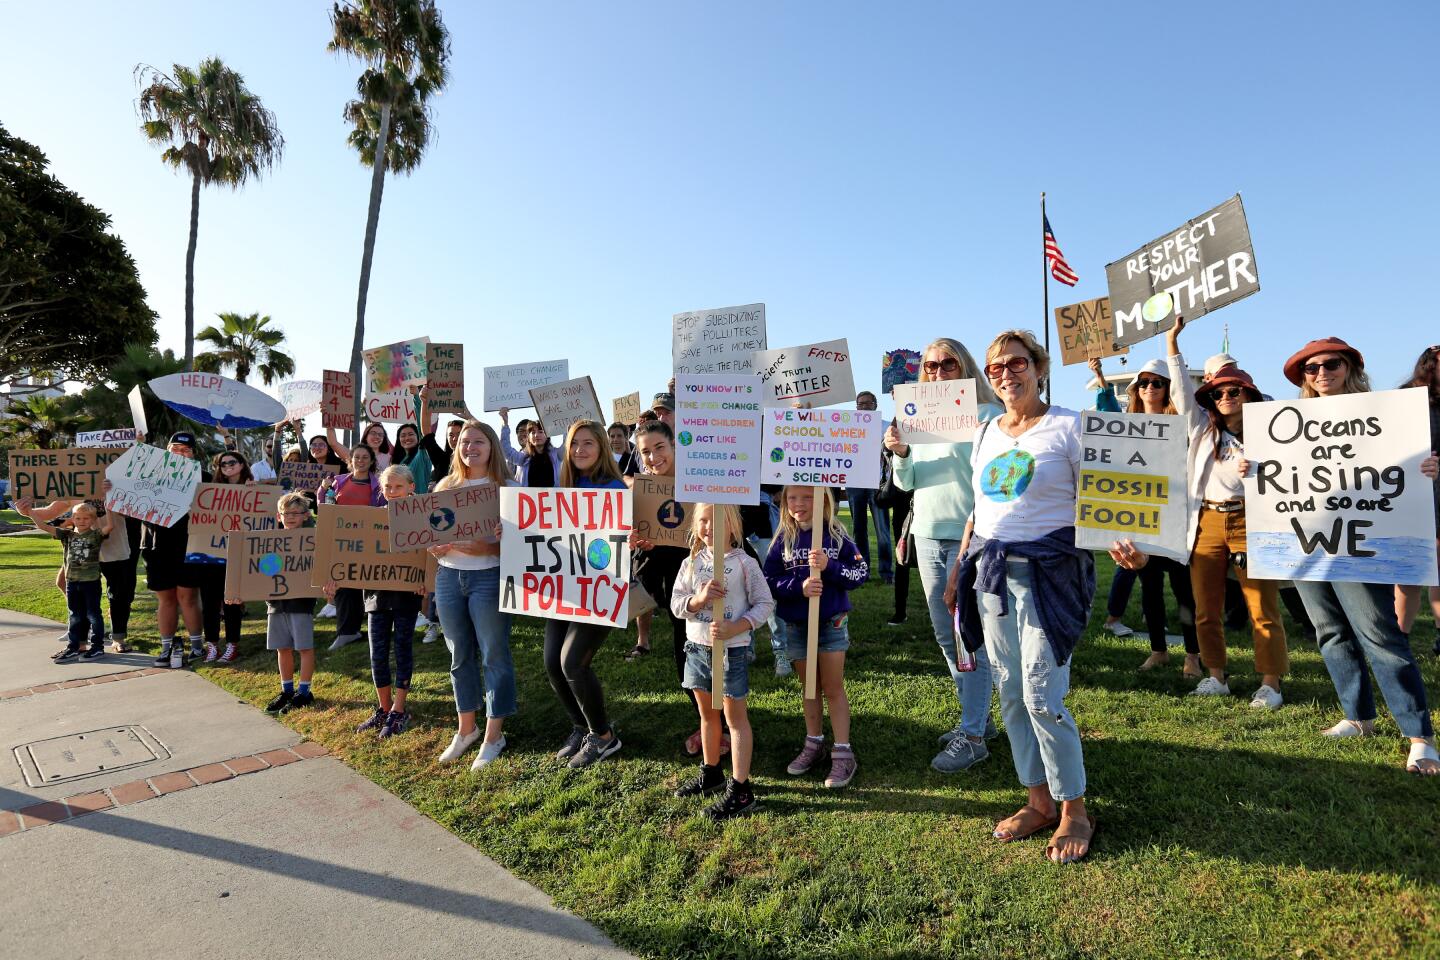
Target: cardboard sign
{"x":337,"y":400}
{"x":899,"y":366}
{"x":46,"y":475}
{"x":658,"y":516}
{"x":272,"y":565}
{"x":222,"y":509}
{"x":393,"y":406}
{"x":352,"y":547}
{"x":560,"y":404}
{"x":445,"y":363}
{"x":939,"y":411}
{"x":119,"y":437}
{"x":1132,"y":483}
{"x":1203,"y":266}
{"x":1087,"y":330}
{"x":298,"y":475}
{"x":216,"y":400}
{"x":396,"y":365}
{"x":152,"y":484}
{"x":301,"y":398}
{"x":443,"y":516}
{"x":565,"y":554}
{"x":1336,"y":492}
{"x":627,"y":409}
{"x":137,"y":410}
{"x":718,"y":342}
{"x":832,"y":448}
{"x":816,"y":374}
{"x":717,"y":439}
{"x":510,"y":386}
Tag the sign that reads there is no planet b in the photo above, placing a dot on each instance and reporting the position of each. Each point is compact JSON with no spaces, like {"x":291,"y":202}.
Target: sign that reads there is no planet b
{"x":833,"y":448}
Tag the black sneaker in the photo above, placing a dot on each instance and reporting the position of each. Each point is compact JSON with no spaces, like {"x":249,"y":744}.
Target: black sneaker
{"x":197,"y":649}
{"x":302,"y":698}
{"x":376,"y":721}
{"x":739,"y":800}
{"x":164,"y":659}
{"x":71,"y":652}
{"x":94,"y":652}
{"x":395,"y":723}
{"x":281,"y":703}
{"x":596,"y":748}
{"x":709,"y":781}
{"x":572,"y":745}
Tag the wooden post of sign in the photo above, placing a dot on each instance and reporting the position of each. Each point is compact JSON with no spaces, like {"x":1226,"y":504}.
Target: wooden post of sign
{"x":812,"y":622}
{"x":719,"y":539}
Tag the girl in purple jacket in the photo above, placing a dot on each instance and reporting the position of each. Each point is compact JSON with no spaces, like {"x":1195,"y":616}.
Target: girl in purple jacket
{"x":796,"y":570}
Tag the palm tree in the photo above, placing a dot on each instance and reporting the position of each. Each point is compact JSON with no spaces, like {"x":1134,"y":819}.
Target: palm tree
{"x":244,"y":343}
{"x":106,"y":405}
{"x":217,"y":130}
{"x":405,"y":47}
{"x":40,"y":422}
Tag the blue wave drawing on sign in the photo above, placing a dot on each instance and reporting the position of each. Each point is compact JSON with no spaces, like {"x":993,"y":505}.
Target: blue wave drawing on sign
{"x":228,"y":420}
{"x":1398,"y":560}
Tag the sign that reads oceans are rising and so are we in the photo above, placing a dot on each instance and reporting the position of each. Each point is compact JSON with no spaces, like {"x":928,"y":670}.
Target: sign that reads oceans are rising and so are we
{"x":565,"y":554}
{"x":833,"y":448}
{"x":1132,"y":483}
{"x":717,"y":439}
{"x":717,"y":342}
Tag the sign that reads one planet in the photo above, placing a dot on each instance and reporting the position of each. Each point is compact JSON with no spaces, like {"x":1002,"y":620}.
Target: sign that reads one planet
{"x":565,"y":554}
{"x":444,"y":516}
{"x":832,"y":448}
{"x":717,"y":439}
{"x":658,"y":516}
{"x":939,"y":411}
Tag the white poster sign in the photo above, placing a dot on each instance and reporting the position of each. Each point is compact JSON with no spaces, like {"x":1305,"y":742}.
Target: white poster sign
{"x":1132,"y":483}
{"x":119,"y":437}
{"x":832,"y":448}
{"x":509,"y":386}
{"x":392,"y":406}
{"x":815,"y":374}
{"x":717,"y":439}
{"x":718,"y":342}
{"x":941,"y":411}
{"x":565,"y":554}
{"x":301,"y":398}
{"x":152,"y":484}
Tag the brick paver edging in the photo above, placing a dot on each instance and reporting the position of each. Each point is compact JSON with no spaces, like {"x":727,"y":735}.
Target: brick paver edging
{"x":122,"y":795}
{"x":81,"y":682}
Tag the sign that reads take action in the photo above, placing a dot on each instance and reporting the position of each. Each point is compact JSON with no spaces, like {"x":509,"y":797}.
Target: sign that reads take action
{"x":938,"y":411}
{"x":271,"y":565}
{"x":658,"y":516}
{"x":1087,"y":330}
{"x":119,"y":437}
{"x":223,"y":509}
{"x":1335,"y":490}
{"x":560,"y":404}
{"x":152,"y":485}
{"x":718,"y":342}
{"x":45,"y":475}
{"x":1132,"y":483}
{"x":352,"y":547}
{"x":509,"y":386}
{"x":565,"y":554}
{"x":833,"y":448}
{"x":717,"y":439}
{"x":443,"y":516}
{"x":817,"y":374}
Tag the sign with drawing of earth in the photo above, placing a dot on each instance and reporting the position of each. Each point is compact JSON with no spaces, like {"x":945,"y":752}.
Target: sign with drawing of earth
{"x":442,"y":519}
{"x":218,"y":401}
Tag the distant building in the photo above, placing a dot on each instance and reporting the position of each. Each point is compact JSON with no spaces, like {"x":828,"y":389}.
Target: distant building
{"x":36,"y":385}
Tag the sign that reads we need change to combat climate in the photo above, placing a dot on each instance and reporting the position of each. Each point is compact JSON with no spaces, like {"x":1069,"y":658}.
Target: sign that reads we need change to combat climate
{"x":1132,"y":483}
{"x":717,"y":439}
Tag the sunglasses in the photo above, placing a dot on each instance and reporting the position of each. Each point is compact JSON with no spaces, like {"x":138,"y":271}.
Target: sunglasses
{"x":949,"y":365}
{"x":1015,"y":365}
{"x":1151,"y":384}
{"x":230,"y":463}
{"x":1230,"y":393}
{"x":1331,"y":365}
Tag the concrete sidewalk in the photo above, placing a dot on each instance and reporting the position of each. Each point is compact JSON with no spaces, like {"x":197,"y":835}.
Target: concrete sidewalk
{"x":221,"y":833}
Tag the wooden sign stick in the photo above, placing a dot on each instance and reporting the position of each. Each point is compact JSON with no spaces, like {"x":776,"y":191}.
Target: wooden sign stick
{"x":720,"y":543}
{"x":812,"y":622}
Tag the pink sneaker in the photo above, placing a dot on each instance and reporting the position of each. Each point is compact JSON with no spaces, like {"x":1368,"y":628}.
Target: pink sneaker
{"x":842,"y":768}
{"x":812,"y":753}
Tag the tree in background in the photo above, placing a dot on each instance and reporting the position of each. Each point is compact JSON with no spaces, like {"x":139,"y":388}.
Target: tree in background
{"x":217,"y":130}
{"x":40,"y":423}
{"x":106,"y":405}
{"x":245,"y":343}
{"x":406,"y":48}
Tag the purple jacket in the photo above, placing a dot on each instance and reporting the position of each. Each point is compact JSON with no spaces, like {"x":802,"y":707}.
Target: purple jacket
{"x":787,"y":571}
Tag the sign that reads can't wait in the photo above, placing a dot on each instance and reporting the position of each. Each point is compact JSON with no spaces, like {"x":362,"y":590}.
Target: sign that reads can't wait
{"x":565,"y":554}
{"x":833,"y":448}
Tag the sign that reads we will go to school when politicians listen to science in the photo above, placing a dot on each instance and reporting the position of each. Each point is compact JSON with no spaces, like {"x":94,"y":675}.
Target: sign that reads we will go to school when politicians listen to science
{"x":1132,"y":483}
{"x":717,"y":439}
{"x":717,"y":342}
{"x":1335,"y":490}
{"x":565,"y":554}
{"x":1202,"y":266}
{"x":816,"y":374}
{"x":832,"y":448}
{"x":939,"y":411}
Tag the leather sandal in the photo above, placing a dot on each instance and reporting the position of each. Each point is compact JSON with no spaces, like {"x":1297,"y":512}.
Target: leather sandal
{"x":1193,"y":669}
{"x":1070,"y":829}
{"x":1028,"y":822}
{"x":637,"y":653}
{"x":1419,"y":752}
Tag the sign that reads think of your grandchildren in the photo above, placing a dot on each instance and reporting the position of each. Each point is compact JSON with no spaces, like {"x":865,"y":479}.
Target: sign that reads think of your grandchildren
{"x":718,"y":342}
{"x":565,"y":554}
{"x":832,"y":448}
{"x":817,"y":374}
{"x":717,"y":439}
{"x":1132,"y":483}
{"x":938,"y":411}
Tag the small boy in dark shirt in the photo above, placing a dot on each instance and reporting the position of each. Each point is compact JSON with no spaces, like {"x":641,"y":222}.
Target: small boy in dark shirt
{"x":82,"y":578}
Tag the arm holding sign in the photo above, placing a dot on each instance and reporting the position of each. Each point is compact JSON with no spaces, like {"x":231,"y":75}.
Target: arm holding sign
{"x":342,"y":451}
{"x":1105,"y":400}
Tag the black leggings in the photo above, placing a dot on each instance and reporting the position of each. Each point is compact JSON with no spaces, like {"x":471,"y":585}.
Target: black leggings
{"x":1152,"y":602}
{"x":120,"y":590}
{"x":898,"y":513}
{"x":349,"y":611}
{"x":214,"y":610}
{"x":569,"y":648}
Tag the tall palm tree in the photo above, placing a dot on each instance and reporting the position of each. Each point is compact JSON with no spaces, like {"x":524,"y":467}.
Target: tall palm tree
{"x":405,"y":47}
{"x":245,"y":343}
{"x":40,"y":422}
{"x":217,"y":130}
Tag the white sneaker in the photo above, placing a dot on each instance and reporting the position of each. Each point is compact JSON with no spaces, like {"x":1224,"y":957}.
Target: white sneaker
{"x":432,"y":634}
{"x":489,"y":751}
{"x":1350,"y":728}
{"x":460,"y":743}
{"x":1267,"y":698}
{"x":211,"y":652}
{"x":421,"y":621}
{"x":1119,"y":629}
{"x":327,"y":611}
{"x":1210,"y":687}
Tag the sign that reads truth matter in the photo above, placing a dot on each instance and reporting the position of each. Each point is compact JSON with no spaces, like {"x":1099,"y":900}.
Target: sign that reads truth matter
{"x":392,"y":406}
{"x":816,"y":374}
{"x":444,"y":516}
{"x":1335,"y":490}
{"x":337,"y":400}
{"x":119,"y":437}
{"x":560,"y":404}
{"x":45,"y":475}
{"x":396,"y":365}
{"x":152,"y":485}
{"x":832,"y":448}
{"x":1132,"y":483}
{"x":718,"y":342}
{"x":220,"y":510}
{"x":509,"y":386}
{"x":445,"y":363}
{"x":352,"y":547}
{"x":939,"y":411}
{"x":658,"y":516}
{"x":1087,"y":330}
{"x":1204,"y":265}
{"x":271,"y":565}
{"x":565,"y":554}
{"x":717,"y":439}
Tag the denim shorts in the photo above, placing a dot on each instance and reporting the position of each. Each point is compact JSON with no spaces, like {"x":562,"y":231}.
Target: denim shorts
{"x":834,"y":637}
{"x":697,"y":670}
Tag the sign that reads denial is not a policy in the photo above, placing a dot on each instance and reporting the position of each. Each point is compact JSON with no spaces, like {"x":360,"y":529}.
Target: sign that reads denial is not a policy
{"x":565,"y":554}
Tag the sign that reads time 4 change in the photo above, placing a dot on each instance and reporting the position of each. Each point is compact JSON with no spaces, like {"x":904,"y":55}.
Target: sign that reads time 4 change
{"x":833,"y":448}
{"x":717,"y":439}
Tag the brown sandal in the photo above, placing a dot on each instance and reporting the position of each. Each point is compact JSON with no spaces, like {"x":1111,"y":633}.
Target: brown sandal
{"x":1029,"y":822}
{"x":1068,"y":831}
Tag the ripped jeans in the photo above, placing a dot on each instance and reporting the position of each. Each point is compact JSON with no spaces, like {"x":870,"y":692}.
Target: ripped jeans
{"x":1044,"y":741}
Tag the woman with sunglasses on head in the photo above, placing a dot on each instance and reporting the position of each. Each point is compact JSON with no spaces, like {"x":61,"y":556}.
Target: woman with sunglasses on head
{"x":1355,"y":622}
{"x":939,"y":476}
{"x":1407,"y":598}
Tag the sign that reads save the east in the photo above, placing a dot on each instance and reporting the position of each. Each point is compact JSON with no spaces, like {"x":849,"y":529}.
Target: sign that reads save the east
{"x":832,"y":448}
{"x":717,"y":439}
{"x":1204,"y":265}
{"x":1087,"y":330}
{"x":565,"y":554}
{"x":717,"y":342}
{"x":443,"y":516}
{"x":352,"y":547}
{"x":1132,"y":483}
{"x":816,"y":373}
{"x":938,"y":411}
{"x":1335,"y":490}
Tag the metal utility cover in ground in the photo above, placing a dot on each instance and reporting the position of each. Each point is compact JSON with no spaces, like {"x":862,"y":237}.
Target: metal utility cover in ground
{"x":78,"y":755}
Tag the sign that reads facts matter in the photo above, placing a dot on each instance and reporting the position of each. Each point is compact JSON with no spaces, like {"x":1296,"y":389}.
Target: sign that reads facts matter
{"x":1132,"y":483}
{"x":717,"y":439}
{"x":833,"y":448}
{"x":816,"y":374}
{"x":565,"y":554}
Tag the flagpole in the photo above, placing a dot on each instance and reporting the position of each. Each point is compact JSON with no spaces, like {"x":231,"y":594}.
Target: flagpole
{"x":1045,"y":282}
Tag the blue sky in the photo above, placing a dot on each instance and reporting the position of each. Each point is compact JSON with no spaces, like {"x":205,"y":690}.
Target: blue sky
{"x":870,"y":171}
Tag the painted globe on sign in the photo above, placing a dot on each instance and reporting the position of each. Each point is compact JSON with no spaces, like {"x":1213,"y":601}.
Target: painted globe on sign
{"x":685,"y":438}
{"x":598,"y":555}
{"x":442,"y":519}
{"x":910,"y":409}
{"x":270,"y":564}
{"x":777,"y":455}
{"x":1157,"y":307}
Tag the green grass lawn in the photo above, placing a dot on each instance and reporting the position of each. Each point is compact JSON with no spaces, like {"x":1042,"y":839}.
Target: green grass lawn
{"x":1223,"y":832}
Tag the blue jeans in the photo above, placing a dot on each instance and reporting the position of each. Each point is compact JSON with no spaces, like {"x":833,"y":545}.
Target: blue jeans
{"x":936,"y":558}
{"x":82,"y":599}
{"x":385,"y":626}
{"x":1355,"y":623}
{"x":862,"y":505}
{"x":1044,"y":742}
{"x":469,"y":605}
{"x":833,"y":637}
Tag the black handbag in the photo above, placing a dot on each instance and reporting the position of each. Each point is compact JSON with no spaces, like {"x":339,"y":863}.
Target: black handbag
{"x":888,"y":494}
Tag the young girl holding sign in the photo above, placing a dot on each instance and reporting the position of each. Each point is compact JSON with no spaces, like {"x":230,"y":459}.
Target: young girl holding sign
{"x":797,"y":569}
{"x":358,"y":488}
{"x":748,"y":604}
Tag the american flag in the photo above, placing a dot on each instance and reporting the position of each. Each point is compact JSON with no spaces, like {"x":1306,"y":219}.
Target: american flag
{"x":1059,"y":269}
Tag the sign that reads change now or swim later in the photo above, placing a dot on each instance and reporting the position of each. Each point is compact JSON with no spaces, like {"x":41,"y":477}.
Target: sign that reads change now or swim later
{"x":565,"y":554}
{"x":1132,"y":483}
{"x":717,"y":439}
{"x":831,"y":448}
{"x":816,"y":374}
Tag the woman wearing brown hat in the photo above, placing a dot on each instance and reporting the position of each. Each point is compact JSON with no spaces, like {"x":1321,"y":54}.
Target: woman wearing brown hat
{"x":1355,"y":622}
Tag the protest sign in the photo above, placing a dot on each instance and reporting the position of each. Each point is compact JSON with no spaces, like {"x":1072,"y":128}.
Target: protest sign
{"x":899,"y":366}
{"x":301,"y":398}
{"x":627,"y":409}
{"x":717,"y":439}
{"x":938,"y":411}
{"x":392,"y":406}
{"x":222,"y":509}
{"x":509,"y":386}
{"x":271,"y":565}
{"x":1132,"y":483}
{"x":212,"y":399}
{"x":444,"y":516}
{"x":560,"y":404}
{"x":396,"y":365}
{"x":445,"y":366}
{"x":118,"y":437}
{"x":1335,"y":490}
{"x":1203,"y":266}
{"x":303,"y":476}
{"x":565,"y":554}
{"x":658,"y":516}
{"x":352,"y":547}
{"x":152,"y":484}
{"x":137,"y":410}
{"x":46,"y":475}
{"x":337,"y":400}
{"x":1087,"y":330}
{"x":717,"y":342}
{"x":831,"y":448}
{"x":817,"y":374}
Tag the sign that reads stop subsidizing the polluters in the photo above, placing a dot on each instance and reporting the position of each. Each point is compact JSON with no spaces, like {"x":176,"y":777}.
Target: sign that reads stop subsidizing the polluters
{"x":832,"y":448}
{"x":1132,"y":483}
{"x":717,"y":439}
{"x":565,"y":554}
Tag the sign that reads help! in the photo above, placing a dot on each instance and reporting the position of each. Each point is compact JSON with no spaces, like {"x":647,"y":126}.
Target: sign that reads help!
{"x":1132,"y":483}
{"x":832,"y":448}
{"x":718,"y":342}
{"x":444,"y":516}
{"x":717,"y":439}
{"x":817,"y":374}
{"x":939,"y":411}
{"x":565,"y":554}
